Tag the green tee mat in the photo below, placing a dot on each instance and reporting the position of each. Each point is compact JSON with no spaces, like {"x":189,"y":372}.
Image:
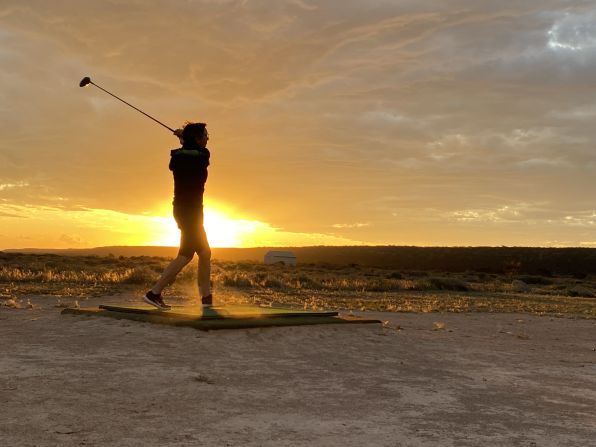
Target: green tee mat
{"x":218,"y":312}
{"x":219,"y":317}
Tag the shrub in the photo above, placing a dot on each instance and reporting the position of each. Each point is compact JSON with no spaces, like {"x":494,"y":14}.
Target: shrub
{"x":519,"y":286}
{"x":240,"y":281}
{"x":140,"y":275}
{"x":273,"y":283}
{"x":383,"y":285}
{"x":304,"y":282}
{"x":449,"y":284}
{"x":541,"y":280}
{"x":580,"y":291}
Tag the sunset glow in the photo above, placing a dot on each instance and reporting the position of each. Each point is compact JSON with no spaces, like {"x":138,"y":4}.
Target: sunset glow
{"x":45,"y":227}
{"x":331,"y":123}
{"x":226,"y":229}
{"x":222,"y":230}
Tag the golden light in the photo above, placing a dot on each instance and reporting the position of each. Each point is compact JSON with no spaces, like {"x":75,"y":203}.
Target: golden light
{"x":223,"y":230}
{"x":226,"y":229}
{"x":88,"y":227}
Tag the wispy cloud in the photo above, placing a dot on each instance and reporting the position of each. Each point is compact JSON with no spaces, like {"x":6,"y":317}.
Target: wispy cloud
{"x":18,"y":216}
{"x":351,"y":225}
{"x":4,"y":186}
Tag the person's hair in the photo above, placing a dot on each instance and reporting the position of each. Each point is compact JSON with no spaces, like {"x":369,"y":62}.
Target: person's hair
{"x":192,"y":131}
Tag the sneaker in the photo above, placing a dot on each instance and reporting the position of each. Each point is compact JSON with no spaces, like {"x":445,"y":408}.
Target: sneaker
{"x":207,"y":301}
{"x":155,"y":300}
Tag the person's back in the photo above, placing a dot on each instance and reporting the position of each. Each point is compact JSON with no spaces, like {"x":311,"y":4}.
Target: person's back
{"x":189,"y":167}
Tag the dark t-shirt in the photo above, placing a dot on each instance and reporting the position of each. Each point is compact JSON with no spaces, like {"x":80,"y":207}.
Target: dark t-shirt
{"x":189,"y":166}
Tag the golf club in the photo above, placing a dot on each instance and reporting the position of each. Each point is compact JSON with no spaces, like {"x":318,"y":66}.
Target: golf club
{"x":87,"y":80}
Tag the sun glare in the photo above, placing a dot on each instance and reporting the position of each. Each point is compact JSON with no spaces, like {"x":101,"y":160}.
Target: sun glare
{"x":90,"y":227}
{"x":226,"y":229}
{"x":222,"y":229}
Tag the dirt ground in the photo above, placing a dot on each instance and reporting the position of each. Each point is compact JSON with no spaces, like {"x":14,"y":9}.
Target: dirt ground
{"x":421,"y":380}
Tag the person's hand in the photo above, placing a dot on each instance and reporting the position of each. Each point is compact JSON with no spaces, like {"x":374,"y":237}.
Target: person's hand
{"x":178,"y":133}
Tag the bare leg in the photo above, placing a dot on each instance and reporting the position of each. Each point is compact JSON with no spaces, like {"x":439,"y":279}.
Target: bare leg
{"x":170,"y":272}
{"x":204,"y":275}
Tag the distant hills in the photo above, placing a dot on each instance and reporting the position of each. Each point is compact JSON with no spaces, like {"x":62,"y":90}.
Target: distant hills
{"x":529,"y":260}
{"x":126,"y":251}
{"x":227,"y":254}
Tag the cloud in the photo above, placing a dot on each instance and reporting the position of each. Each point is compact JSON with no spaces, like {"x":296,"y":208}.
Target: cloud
{"x":351,"y":225}
{"x":317,"y":109}
{"x":20,"y":184}
{"x":18,"y":216}
{"x":72,"y":240}
{"x":526,"y":213}
{"x":543,"y":162}
{"x":573,"y":32}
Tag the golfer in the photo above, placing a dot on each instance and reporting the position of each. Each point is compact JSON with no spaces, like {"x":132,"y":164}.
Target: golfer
{"x":189,"y":166}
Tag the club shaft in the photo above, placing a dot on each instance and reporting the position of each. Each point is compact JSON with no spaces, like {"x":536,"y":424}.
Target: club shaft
{"x":130,"y":105}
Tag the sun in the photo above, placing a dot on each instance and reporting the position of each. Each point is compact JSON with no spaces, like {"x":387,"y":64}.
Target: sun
{"x":223,"y":230}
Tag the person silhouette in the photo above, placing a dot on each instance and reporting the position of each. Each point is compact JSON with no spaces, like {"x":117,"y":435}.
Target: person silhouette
{"x":189,"y":168}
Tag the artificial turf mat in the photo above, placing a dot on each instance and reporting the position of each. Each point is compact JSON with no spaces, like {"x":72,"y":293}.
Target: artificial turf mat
{"x":220,"y":317}
{"x":218,"y":312}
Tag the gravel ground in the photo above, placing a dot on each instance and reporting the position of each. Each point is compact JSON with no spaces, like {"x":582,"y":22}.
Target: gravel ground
{"x":419,"y":380}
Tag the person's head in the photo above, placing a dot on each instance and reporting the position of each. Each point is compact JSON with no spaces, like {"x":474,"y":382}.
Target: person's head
{"x":195,"y":133}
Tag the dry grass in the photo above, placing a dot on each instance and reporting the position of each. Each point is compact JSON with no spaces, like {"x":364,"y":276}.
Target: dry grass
{"x":309,"y":285}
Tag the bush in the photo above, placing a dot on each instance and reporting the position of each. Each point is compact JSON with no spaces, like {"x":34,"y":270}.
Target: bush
{"x":237,"y":280}
{"x":580,"y":291}
{"x":448,"y":284}
{"x":305,"y":282}
{"x":540,"y":280}
{"x":273,"y":283}
{"x":140,"y":275}
{"x":383,"y":285}
{"x":519,"y":286}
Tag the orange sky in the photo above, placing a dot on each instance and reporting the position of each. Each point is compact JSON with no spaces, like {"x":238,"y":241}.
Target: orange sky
{"x":331,"y":123}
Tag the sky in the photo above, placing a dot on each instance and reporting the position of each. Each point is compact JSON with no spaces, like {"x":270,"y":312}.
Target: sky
{"x":338,"y":122}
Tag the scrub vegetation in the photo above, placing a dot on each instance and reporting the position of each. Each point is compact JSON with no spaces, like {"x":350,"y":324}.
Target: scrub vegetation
{"x":310,"y":285}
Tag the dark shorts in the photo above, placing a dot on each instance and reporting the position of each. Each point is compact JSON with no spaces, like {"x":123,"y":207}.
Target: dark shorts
{"x":193,"y":238}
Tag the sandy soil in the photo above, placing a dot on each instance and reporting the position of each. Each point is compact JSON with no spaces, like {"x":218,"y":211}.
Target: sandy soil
{"x":471,"y":380}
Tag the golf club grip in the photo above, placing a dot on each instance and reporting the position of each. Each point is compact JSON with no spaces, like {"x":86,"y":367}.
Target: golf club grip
{"x":129,"y":104}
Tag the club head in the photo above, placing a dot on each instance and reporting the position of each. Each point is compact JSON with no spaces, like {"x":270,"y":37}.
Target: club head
{"x":86,"y":80}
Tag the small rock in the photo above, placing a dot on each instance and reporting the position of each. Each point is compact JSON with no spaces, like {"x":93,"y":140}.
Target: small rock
{"x":438,"y":326}
{"x":203,"y":379}
{"x":12,"y":303}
